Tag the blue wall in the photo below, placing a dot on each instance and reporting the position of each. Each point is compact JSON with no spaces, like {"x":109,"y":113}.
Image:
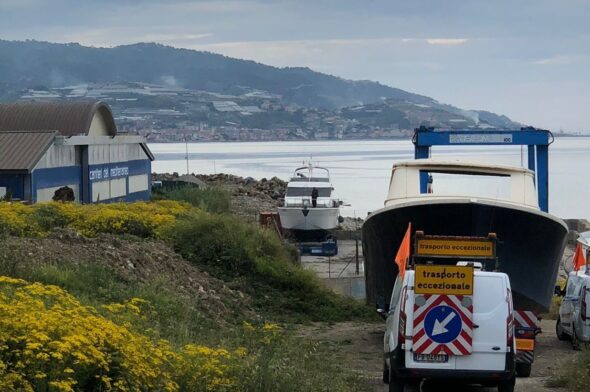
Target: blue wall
{"x":54,"y":177}
{"x":15,"y":184}
{"x":108,"y":171}
{"x":61,"y":176}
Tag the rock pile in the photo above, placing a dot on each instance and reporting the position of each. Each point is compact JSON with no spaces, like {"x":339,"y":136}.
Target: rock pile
{"x":274,"y":188}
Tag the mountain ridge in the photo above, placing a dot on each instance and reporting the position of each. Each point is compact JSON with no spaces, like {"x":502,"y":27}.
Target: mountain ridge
{"x":37,"y":65}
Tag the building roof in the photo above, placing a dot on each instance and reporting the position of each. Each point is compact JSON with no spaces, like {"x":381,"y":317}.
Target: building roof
{"x":69,"y":118}
{"x":20,"y":151}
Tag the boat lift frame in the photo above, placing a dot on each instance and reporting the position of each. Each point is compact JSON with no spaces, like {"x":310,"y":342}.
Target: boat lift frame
{"x":536,"y":140}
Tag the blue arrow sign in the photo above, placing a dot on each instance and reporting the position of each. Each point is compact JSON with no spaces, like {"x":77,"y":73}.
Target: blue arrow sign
{"x":442,"y":324}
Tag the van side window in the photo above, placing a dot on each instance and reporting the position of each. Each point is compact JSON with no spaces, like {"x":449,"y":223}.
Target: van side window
{"x":397,"y":289}
{"x":570,"y":288}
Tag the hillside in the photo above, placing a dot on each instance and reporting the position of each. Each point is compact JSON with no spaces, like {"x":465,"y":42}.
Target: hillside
{"x":29,"y":64}
{"x":179,"y":91}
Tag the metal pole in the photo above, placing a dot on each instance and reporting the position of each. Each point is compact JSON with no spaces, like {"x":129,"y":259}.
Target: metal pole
{"x":186,"y":147}
{"x":356,"y":240}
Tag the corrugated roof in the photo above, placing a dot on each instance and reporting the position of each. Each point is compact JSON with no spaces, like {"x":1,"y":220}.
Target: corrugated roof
{"x":69,"y":118}
{"x":20,"y":151}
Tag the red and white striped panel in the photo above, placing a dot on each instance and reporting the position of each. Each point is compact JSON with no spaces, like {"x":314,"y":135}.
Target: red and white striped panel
{"x":423,"y":344}
{"x":526,"y":319}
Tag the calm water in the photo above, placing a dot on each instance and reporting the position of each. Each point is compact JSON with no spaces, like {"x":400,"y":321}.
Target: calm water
{"x":361,"y":169}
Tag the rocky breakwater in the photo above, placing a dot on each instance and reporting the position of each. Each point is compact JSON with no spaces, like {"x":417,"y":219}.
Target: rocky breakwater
{"x":249,"y":196}
{"x":273,"y":188}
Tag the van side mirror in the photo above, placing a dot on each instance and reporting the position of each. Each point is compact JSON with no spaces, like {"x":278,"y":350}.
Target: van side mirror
{"x":382,"y":313}
{"x":558,"y":291}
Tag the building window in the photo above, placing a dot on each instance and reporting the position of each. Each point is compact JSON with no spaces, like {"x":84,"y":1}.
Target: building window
{"x":138,"y":183}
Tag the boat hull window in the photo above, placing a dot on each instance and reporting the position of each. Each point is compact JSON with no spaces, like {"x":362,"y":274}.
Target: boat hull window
{"x":299,"y":192}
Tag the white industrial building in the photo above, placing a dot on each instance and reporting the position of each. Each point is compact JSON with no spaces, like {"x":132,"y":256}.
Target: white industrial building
{"x":45,"y":146}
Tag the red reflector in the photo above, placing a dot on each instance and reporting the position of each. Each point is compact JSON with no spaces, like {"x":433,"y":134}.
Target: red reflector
{"x":525,"y":334}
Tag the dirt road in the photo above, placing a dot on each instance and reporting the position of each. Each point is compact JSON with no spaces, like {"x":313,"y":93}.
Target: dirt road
{"x":359,"y":347}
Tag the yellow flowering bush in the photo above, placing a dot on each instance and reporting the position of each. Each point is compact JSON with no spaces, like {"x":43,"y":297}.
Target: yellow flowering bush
{"x":144,"y":219}
{"x":49,"y":341}
{"x":16,"y":219}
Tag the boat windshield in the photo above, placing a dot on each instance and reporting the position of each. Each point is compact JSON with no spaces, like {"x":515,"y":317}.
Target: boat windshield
{"x":306,"y":191}
{"x":469,"y":184}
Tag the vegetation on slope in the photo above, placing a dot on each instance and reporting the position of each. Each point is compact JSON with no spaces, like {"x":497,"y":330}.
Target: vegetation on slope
{"x":91,"y":304}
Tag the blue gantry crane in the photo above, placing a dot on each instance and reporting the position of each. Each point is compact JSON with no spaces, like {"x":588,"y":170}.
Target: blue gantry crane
{"x":536,"y":140}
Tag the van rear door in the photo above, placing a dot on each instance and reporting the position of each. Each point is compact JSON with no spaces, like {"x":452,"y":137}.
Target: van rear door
{"x":492,"y":307}
{"x":412,"y":359}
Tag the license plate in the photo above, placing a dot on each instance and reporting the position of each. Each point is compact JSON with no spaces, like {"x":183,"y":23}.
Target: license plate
{"x":438,"y":358}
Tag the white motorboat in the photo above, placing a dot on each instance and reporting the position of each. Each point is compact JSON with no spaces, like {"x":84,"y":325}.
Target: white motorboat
{"x":468,"y":199}
{"x":301,"y":210}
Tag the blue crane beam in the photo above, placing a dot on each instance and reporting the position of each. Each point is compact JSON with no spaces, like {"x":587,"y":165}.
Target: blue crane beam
{"x":536,"y":140}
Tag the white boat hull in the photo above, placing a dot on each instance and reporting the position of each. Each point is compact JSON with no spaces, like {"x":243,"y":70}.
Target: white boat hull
{"x":321,"y":218}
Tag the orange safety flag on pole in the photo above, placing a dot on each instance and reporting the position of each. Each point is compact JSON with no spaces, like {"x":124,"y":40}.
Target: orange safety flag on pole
{"x":403,"y":253}
{"x":579,"y":259}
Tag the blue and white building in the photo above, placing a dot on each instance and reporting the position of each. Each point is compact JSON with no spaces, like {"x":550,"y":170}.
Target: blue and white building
{"x":45,"y":146}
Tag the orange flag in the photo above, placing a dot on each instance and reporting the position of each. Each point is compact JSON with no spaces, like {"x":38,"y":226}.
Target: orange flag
{"x":403,"y":253}
{"x":579,"y":259}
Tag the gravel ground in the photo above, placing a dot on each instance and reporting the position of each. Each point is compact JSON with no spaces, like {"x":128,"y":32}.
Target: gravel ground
{"x":359,"y":347}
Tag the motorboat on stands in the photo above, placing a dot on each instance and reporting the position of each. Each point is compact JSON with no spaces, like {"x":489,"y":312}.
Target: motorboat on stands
{"x":468,"y":199}
{"x":309,"y":204}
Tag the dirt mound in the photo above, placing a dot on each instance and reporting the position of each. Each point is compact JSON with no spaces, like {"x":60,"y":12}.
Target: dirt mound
{"x":133,"y":260}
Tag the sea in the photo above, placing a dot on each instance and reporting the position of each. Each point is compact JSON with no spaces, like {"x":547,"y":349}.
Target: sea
{"x":360,"y":170}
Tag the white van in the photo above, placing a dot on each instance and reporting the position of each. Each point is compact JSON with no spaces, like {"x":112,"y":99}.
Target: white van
{"x":573,"y":322}
{"x":491,"y":358}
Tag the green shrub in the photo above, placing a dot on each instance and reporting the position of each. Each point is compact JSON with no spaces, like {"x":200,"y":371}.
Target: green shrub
{"x":257,"y":260}
{"x":48,"y":217}
{"x":213,"y":199}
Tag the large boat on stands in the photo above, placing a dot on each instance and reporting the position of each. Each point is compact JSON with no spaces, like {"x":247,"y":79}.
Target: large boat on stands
{"x":530,"y":241}
{"x":309,"y":204}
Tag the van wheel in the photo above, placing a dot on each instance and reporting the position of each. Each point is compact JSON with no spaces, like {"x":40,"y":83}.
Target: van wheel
{"x":396,"y":384}
{"x":561,"y":335}
{"x":507,"y":385}
{"x":523,"y":369}
{"x":575,"y":341}
{"x":385,"y":373}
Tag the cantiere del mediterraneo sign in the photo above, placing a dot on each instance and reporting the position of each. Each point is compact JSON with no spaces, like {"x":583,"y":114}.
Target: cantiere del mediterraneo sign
{"x":104,"y":173}
{"x":443,"y":279}
{"x":458,"y":248}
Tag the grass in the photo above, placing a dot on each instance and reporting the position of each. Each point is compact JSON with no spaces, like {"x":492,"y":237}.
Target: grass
{"x":574,"y":374}
{"x":174,"y":315}
{"x":212,"y":199}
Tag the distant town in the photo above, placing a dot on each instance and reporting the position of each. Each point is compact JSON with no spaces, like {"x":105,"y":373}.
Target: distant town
{"x":167,"y":113}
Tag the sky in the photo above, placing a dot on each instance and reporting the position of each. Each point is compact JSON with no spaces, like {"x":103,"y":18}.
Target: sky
{"x":527,"y":59}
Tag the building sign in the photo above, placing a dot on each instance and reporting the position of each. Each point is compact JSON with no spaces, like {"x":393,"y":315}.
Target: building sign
{"x":106,"y":173}
{"x":453,"y":247}
{"x":492,"y":138}
{"x":443,"y":279}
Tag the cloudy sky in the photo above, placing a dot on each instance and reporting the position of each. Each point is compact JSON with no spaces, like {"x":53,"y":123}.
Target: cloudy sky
{"x":527,"y":59}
